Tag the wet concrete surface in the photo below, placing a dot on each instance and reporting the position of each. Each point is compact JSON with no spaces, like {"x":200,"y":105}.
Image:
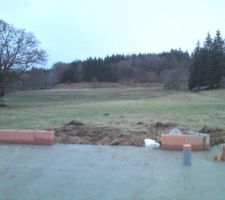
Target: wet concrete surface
{"x":83,"y":172}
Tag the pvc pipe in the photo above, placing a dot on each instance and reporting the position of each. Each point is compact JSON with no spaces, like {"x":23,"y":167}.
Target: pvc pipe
{"x":187,"y":154}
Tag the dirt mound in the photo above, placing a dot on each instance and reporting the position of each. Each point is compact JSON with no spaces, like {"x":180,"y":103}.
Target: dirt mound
{"x":76,"y":132}
{"x":81,"y":85}
{"x":75,"y":123}
{"x":161,"y":125}
{"x":217,"y":136}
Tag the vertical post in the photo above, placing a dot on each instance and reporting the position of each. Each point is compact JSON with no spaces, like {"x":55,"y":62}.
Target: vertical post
{"x":223,"y":154}
{"x":187,"y":154}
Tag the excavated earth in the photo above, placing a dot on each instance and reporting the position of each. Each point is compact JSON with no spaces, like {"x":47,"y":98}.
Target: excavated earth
{"x":76,"y":132}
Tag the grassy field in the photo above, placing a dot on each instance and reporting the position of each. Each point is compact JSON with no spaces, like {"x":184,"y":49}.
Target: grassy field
{"x":113,"y":107}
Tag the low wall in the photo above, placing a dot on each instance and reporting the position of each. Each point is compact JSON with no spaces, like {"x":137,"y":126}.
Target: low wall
{"x":27,"y":136}
{"x":176,"y":142}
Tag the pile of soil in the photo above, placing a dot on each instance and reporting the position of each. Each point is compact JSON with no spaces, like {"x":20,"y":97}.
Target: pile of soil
{"x":160,"y":125}
{"x":77,"y":132}
{"x":217,"y":136}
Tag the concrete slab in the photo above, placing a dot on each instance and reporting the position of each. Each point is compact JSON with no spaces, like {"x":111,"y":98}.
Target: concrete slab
{"x":83,"y":172}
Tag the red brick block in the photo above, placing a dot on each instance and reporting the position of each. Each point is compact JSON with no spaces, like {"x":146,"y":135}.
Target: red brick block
{"x":173,"y":142}
{"x":43,"y":137}
{"x":27,"y":136}
{"x":197,"y":142}
{"x":176,"y":142}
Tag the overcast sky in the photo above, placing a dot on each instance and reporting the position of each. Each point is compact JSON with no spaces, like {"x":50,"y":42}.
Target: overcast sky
{"x":77,"y":29}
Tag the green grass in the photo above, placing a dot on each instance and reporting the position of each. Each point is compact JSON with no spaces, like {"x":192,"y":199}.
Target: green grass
{"x":125,"y":106}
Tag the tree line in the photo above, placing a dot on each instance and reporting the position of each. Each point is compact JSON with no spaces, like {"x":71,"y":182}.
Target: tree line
{"x":204,"y":69}
{"x":128,"y":68}
{"x":169,"y":68}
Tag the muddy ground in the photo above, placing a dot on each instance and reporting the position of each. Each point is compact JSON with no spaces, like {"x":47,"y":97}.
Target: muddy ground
{"x":77,"y":132}
{"x":217,"y":136}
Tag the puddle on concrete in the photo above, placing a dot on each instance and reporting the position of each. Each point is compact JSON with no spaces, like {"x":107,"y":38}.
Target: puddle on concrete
{"x":65,"y":172}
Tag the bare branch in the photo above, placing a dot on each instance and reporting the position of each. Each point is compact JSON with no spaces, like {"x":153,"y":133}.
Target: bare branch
{"x":19,"y":50}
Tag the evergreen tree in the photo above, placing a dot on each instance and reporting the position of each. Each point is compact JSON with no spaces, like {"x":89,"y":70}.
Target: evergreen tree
{"x":218,"y":62}
{"x":208,"y":63}
{"x":206,"y":58}
{"x":195,"y":72}
{"x":208,"y":42}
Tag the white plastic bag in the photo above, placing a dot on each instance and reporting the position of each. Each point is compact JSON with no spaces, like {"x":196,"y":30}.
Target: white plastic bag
{"x":151,"y":144}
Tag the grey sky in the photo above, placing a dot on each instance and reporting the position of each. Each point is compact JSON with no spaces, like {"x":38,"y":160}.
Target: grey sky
{"x":77,"y":29}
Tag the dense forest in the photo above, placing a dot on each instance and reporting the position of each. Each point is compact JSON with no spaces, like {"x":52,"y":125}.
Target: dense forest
{"x":176,"y":69}
{"x":169,"y":68}
{"x":131,"y":68}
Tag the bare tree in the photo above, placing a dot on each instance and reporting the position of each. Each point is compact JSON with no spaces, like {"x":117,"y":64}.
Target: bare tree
{"x":175,"y":79}
{"x":58,"y":70}
{"x":18,"y":52}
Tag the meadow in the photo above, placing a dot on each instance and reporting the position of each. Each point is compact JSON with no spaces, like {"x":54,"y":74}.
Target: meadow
{"x":128,"y":108}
